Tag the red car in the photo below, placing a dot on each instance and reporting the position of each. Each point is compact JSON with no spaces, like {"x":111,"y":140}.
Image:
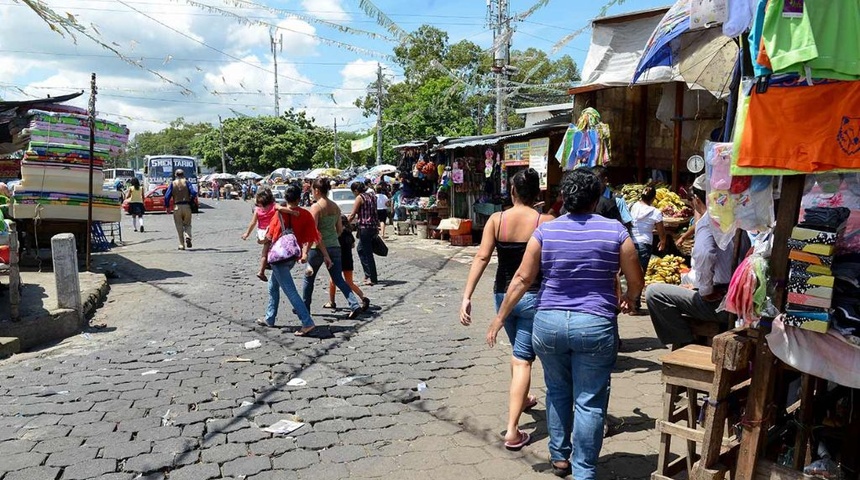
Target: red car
{"x":154,"y":201}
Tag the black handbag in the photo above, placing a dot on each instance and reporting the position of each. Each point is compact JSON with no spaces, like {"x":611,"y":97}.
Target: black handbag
{"x":379,"y":247}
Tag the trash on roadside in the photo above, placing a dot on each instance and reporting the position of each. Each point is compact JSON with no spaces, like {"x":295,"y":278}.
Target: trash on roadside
{"x":246,"y":404}
{"x":169,"y":352}
{"x":210,"y":349}
{"x":168,"y":359}
{"x":297,"y":382}
{"x":422,"y":386}
{"x":51,"y":393}
{"x":346,"y":380}
{"x":87,"y":336}
{"x":166,"y":421}
{"x":283,"y":427}
{"x":238,"y":359}
{"x":150,"y":372}
{"x":253,"y":344}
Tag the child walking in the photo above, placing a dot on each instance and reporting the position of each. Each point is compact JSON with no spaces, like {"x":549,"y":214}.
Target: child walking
{"x":347,"y":243}
{"x":262,"y":215}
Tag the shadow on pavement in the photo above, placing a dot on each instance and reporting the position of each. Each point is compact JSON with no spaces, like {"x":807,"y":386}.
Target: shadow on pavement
{"x":638,"y":365}
{"x":640,"y":344}
{"x":121,"y":270}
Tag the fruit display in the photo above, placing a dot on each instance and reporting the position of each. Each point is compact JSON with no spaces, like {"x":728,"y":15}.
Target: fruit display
{"x":632,"y":192}
{"x":665,"y":270}
{"x":671,"y":204}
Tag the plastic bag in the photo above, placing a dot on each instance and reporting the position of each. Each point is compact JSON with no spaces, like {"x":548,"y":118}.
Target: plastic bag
{"x":824,"y":468}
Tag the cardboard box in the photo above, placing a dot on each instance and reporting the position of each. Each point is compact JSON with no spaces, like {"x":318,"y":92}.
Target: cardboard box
{"x":457,"y":226}
{"x":461,"y":240}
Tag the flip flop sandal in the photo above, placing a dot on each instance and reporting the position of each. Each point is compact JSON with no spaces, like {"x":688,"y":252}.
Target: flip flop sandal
{"x":303,"y":333}
{"x":354,"y":314}
{"x":522,"y":442}
{"x":531,"y":402}
{"x":365,"y":304}
{"x":330,"y":305}
{"x":263,"y":323}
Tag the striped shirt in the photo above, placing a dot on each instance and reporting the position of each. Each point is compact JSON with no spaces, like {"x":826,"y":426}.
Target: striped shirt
{"x":367,"y":212}
{"x":579,"y":260}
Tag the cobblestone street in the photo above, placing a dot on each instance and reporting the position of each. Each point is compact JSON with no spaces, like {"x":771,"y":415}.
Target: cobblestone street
{"x":168,"y":389}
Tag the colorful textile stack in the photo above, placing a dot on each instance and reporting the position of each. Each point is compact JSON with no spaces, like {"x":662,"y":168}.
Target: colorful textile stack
{"x":585,"y":144}
{"x":55,"y":169}
{"x":811,"y":281}
{"x":10,"y":168}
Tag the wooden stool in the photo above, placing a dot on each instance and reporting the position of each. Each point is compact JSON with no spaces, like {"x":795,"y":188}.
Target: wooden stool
{"x":687,"y":369}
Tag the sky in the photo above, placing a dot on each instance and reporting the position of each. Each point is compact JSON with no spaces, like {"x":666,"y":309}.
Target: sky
{"x":217,"y":58}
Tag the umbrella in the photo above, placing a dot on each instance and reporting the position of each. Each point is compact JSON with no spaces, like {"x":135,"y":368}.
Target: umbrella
{"x":223,"y":176}
{"x":323,"y":172}
{"x":658,"y":50}
{"x":380,"y":170}
{"x":205,"y":178}
{"x":282,"y":172}
{"x":249,"y":176}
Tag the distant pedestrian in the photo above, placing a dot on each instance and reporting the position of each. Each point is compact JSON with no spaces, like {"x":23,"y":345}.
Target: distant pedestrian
{"x":135,"y":204}
{"x":182,"y":193}
{"x":245,"y":191}
{"x":305,"y":230}
{"x":215,"y":190}
{"x":328,"y":218}
{"x":368,"y":228}
{"x":382,"y":205}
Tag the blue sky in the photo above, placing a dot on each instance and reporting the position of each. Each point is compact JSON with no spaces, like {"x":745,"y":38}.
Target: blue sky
{"x":220,"y":65}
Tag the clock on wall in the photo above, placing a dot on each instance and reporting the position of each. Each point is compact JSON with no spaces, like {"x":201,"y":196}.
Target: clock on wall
{"x":695,"y":164}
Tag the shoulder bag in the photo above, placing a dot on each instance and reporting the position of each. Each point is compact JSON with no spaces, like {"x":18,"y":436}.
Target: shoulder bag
{"x":286,"y":247}
{"x":379,"y":247}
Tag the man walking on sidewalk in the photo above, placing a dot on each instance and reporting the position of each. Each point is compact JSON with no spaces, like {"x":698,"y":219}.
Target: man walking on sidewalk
{"x":182,"y":193}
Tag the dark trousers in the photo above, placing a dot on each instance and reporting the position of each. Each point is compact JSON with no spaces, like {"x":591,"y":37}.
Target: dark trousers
{"x":365,"y":252}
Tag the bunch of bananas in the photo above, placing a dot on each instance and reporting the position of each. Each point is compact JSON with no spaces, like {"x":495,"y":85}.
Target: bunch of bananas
{"x":665,"y":270}
{"x":632,"y":192}
{"x":671,"y":204}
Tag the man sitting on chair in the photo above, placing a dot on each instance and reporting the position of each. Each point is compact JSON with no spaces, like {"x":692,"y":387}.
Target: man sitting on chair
{"x":703,"y":288}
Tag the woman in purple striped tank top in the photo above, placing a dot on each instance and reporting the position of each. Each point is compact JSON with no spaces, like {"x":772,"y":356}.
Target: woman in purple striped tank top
{"x":575,"y":330}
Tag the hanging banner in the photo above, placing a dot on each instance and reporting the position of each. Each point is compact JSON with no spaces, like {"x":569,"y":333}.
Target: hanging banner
{"x":538,"y":158}
{"x":516,"y":154}
{"x":362,"y":144}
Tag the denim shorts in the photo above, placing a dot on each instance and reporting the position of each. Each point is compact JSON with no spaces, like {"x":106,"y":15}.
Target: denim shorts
{"x":519,"y":323}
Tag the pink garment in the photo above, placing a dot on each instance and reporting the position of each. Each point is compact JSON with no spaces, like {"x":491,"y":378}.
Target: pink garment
{"x":264,"y":216}
{"x":739,"y":299}
{"x":824,"y":355}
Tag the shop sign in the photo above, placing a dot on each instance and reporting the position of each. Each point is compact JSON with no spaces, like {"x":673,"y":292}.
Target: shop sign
{"x":516,"y":154}
{"x":538,"y":158}
{"x":362,"y":144}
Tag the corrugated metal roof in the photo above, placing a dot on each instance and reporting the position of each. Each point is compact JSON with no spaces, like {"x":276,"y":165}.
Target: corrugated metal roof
{"x":557,"y":122}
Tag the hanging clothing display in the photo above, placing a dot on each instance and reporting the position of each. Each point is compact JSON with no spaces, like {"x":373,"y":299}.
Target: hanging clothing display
{"x":586,"y":143}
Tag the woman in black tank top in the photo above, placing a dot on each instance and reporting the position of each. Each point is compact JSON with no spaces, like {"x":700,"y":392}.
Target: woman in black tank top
{"x":508,"y":233}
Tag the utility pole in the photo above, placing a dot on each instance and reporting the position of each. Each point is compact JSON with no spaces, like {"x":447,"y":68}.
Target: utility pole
{"x":499,"y":18}
{"x":91,"y":122}
{"x":276,"y":45}
{"x":335,"y":142}
{"x":223,"y":155}
{"x":378,"y":114}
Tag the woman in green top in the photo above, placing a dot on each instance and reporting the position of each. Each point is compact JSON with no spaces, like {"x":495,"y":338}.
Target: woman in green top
{"x":328,"y":217}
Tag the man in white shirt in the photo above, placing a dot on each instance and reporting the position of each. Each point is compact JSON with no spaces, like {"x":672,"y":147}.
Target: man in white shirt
{"x":705,"y":285}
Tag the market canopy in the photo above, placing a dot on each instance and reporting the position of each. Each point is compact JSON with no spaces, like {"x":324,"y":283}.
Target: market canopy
{"x":381,"y":170}
{"x":223,"y":176}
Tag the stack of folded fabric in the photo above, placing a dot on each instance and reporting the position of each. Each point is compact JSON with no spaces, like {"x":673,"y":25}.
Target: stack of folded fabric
{"x":811,"y":281}
{"x":55,"y":168}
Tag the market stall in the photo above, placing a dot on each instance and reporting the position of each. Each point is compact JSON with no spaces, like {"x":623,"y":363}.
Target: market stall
{"x":779,"y":398}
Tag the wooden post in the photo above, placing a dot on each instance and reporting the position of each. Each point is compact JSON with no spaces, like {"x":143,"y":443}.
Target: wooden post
{"x":643,"y":133}
{"x":756,"y":416}
{"x":679,"y":130}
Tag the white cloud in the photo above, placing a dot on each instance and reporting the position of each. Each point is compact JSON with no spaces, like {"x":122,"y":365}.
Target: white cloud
{"x":330,"y":10}
{"x":298,"y":37}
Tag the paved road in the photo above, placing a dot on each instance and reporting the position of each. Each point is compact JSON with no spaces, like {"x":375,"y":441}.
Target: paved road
{"x":159,"y":393}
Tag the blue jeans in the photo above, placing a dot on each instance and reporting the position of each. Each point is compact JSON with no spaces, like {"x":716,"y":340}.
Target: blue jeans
{"x":578,"y":352}
{"x":644,"y":251}
{"x":316,"y":260}
{"x":518,"y":325}
{"x":281,"y":279}
{"x":365,"y":252}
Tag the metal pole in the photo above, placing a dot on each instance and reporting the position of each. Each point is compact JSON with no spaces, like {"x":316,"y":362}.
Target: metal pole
{"x":501,"y":58}
{"x":378,"y":114}
{"x":335,"y":142}
{"x":223,"y":155}
{"x":275,"y":46}
{"x":92,"y":124}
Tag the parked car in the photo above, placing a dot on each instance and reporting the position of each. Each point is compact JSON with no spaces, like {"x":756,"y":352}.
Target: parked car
{"x":278,"y":191}
{"x":153,"y":201}
{"x":344,"y":199}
